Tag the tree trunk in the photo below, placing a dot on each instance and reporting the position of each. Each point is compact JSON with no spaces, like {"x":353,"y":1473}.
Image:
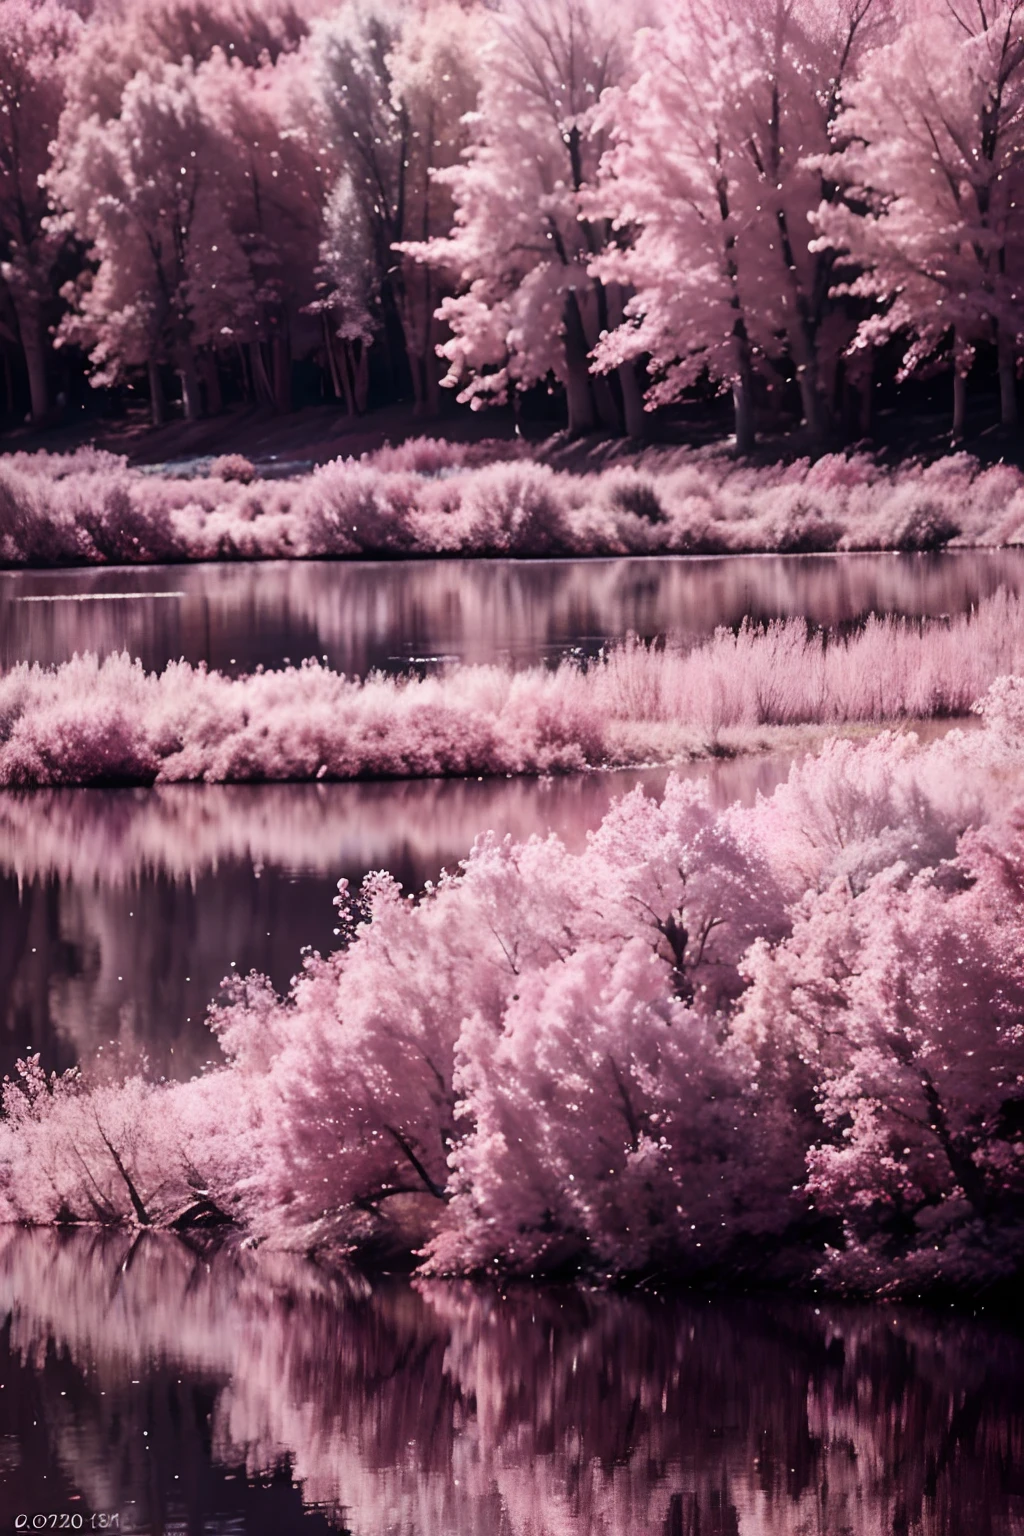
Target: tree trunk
{"x":281,"y":354}
{"x":8,"y":383}
{"x":578,"y":393}
{"x":244,"y":367}
{"x":332,"y":362}
{"x":415,"y":303}
{"x":34,"y":348}
{"x":866,"y":420}
{"x":360,"y":361}
{"x":632,"y":401}
{"x":1007,"y":380}
{"x":261,"y":382}
{"x":431,"y":385}
{"x":419,"y":384}
{"x":633,"y":414}
{"x":347,"y":372}
{"x":579,"y":400}
{"x":743,"y":411}
{"x":961,"y":1164}
{"x":743,"y":385}
{"x":815,"y":411}
{"x":959,"y":403}
{"x":419,"y":351}
{"x":211,"y":381}
{"x":609,"y":412}
{"x":803,"y":336}
{"x":156,"y":394}
{"x":191,"y":397}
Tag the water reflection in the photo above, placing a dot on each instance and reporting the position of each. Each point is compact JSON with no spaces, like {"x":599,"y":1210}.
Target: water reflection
{"x":375,"y":614}
{"x":122,"y":910}
{"x":223,"y":1392}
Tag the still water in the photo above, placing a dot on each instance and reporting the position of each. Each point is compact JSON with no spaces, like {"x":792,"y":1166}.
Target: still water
{"x":121,"y":911}
{"x":149,"y":1387}
{"x":390,"y":615}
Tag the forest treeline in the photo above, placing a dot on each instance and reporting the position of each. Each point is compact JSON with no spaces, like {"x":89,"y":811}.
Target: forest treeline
{"x":791,"y":202}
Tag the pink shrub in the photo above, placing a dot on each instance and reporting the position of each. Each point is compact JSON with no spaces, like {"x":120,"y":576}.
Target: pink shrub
{"x":234,"y":466}
{"x":430,"y":496}
{"x":353,"y":509}
{"x":58,"y":466}
{"x":92,"y":722}
{"x":756,"y":1042}
{"x":437,"y":456}
{"x":122,"y":1153}
{"x":904,"y":1007}
{"x":511,"y":509}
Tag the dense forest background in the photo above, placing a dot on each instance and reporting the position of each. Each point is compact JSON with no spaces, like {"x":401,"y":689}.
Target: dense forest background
{"x":747,"y":216}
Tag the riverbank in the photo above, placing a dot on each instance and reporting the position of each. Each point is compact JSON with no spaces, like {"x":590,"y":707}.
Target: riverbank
{"x":773,"y":688}
{"x":429,"y":497}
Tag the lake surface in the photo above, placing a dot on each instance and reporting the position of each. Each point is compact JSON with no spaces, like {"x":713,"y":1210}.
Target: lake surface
{"x":154,"y":1387}
{"x":121,"y":911}
{"x":395,"y":614}
{"x":177,"y":1390}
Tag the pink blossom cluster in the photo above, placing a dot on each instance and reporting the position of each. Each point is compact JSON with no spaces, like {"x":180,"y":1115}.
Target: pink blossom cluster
{"x":761,"y":1042}
{"x":109,"y":722}
{"x":425,"y":498}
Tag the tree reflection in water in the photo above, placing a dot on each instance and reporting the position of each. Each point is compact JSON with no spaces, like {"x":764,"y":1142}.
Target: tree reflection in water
{"x":122,"y":910}
{"x":249,"y":1391}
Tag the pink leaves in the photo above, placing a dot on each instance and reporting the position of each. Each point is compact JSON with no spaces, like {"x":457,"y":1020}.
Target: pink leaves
{"x":679,"y":1047}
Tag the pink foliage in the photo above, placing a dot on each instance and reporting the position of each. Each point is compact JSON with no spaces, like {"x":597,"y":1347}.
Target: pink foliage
{"x":424,"y":497}
{"x":565,"y":194}
{"x":932,"y":154}
{"x":682,"y":1048}
{"x":903,"y":1005}
{"x":37,"y":40}
{"x":109,"y":722}
{"x":712,"y":185}
{"x":233,"y":466}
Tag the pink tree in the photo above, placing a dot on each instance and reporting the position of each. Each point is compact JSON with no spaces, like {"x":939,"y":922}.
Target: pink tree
{"x":418,"y":1048}
{"x":933,"y":167}
{"x":524,"y":237}
{"x":349,"y":289}
{"x":712,"y":172}
{"x":394,"y":83}
{"x":608,"y":1122}
{"x":136,"y":189}
{"x":897,"y":1013}
{"x":356,"y":1069}
{"x":123,"y":36}
{"x":252,"y":275}
{"x":36,"y":40}
{"x":670,"y":182}
{"x":173,"y":131}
